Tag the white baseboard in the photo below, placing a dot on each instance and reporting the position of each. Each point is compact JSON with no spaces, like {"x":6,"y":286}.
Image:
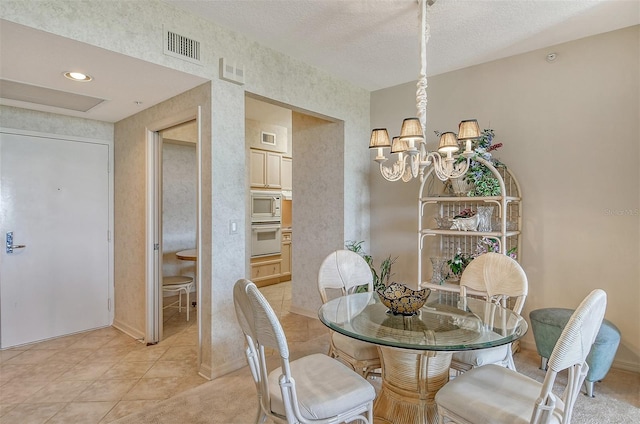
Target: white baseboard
{"x":127,"y":329}
{"x":210,"y":374}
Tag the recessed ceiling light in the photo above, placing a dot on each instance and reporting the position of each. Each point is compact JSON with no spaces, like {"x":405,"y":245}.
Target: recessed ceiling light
{"x":78,"y":76}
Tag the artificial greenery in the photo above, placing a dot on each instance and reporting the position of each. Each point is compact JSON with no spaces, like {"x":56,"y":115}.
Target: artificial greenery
{"x":459,"y":262}
{"x":486,"y":184}
{"x":380,"y":279}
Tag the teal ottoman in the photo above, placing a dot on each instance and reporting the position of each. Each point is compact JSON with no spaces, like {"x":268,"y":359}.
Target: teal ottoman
{"x":548,"y":323}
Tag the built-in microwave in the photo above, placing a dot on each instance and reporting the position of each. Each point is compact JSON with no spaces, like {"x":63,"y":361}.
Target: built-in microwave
{"x":266,"y":206}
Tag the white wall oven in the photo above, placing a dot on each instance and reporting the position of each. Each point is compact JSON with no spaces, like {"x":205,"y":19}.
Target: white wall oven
{"x":266,"y":238}
{"x":266,"y":206}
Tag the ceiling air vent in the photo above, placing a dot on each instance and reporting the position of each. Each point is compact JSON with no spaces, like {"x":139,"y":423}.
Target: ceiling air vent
{"x":179,"y":46}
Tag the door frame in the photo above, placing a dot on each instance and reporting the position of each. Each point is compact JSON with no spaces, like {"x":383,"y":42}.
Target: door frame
{"x":110,"y":146}
{"x":153,"y":233}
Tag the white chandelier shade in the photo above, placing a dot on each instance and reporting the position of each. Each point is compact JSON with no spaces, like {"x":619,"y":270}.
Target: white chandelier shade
{"x":410,"y":146}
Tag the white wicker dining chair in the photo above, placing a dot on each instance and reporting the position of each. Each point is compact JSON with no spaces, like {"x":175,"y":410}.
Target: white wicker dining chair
{"x":341,"y":272}
{"x":311,"y":389}
{"x":494,"y":394}
{"x":499,"y":279}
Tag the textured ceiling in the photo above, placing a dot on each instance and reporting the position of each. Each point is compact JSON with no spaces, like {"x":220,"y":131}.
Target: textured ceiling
{"x":372,"y":43}
{"x":375,"y":43}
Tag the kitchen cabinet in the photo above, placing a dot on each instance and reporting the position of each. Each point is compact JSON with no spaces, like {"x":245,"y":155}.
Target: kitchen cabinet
{"x":437,"y":207}
{"x":287,"y":173}
{"x":285,"y":255}
{"x":265,"y":169}
{"x":266,"y":270}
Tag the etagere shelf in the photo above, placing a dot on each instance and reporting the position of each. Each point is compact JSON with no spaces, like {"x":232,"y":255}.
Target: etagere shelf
{"x":436,"y":200}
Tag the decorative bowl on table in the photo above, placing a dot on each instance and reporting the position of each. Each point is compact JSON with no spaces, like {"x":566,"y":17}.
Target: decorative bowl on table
{"x":401,"y":300}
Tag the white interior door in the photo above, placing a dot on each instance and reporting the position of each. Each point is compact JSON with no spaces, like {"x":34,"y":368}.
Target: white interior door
{"x":54,"y":197}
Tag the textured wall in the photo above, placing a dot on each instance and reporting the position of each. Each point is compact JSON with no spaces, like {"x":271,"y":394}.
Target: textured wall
{"x":179,"y":206}
{"x":31,"y":120}
{"x":570,"y":132}
{"x":318,"y":205}
{"x":130,"y":218}
{"x":113,"y":25}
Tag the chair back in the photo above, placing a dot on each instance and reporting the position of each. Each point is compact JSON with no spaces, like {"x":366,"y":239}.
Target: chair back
{"x":343,"y":270}
{"x":261,"y":329}
{"x":499,"y":276}
{"x":570,"y":352}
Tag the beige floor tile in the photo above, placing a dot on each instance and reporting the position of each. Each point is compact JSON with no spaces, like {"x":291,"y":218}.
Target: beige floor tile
{"x":190,"y":382}
{"x":86,"y":371}
{"x":109,"y":354}
{"x":58,"y":391}
{"x":178,"y":353}
{"x":153,"y":388}
{"x":147,"y":353}
{"x":70,"y":356}
{"x":172,"y":369}
{"x":127,"y":407}
{"x":106,"y":390}
{"x":31,"y":413}
{"x":127,"y":370}
{"x":47,"y":372}
{"x":5,"y":355}
{"x":17,"y":390}
{"x":91,"y":342}
{"x":123,"y":341}
{"x":6,"y":408}
{"x":82,"y":412}
{"x":10,"y":371}
{"x":31,"y":357}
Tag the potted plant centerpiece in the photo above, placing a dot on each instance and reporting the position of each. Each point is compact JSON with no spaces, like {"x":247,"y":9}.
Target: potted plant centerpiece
{"x":400,"y":299}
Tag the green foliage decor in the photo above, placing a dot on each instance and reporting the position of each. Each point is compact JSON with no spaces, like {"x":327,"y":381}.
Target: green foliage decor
{"x":381,"y":278}
{"x":486,"y":184}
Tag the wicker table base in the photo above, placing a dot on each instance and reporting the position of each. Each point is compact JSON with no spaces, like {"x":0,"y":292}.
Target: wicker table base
{"x":410,"y":381}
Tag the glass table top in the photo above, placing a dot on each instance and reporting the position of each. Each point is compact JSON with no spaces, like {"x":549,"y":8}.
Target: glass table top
{"x":444,"y":323}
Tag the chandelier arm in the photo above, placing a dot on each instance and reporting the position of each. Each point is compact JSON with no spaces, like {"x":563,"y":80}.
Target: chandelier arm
{"x":446,"y":169}
{"x":394,"y":172}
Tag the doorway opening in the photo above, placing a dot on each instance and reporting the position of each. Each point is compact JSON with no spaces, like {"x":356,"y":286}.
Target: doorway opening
{"x":179,"y":227}
{"x":173,"y":222}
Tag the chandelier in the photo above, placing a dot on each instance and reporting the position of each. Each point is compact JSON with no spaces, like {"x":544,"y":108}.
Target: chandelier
{"x":410,"y":146}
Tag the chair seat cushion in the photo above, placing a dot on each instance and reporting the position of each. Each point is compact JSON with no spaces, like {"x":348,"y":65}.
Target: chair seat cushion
{"x":481,"y":357}
{"x":325,"y":387}
{"x":493,"y":394}
{"x":355,"y":348}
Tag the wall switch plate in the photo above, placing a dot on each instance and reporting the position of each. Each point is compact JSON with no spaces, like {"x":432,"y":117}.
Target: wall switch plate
{"x":233,"y":227}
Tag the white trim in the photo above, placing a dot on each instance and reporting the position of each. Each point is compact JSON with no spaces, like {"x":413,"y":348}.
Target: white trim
{"x":153,"y":206}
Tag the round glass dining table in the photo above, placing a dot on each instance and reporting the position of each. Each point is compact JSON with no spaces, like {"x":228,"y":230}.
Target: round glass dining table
{"x":416,"y":351}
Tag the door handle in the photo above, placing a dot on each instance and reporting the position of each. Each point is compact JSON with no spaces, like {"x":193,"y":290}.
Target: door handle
{"x":10,"y":245}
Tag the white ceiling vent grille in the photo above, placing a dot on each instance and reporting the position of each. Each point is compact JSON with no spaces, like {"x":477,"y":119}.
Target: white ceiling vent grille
{"x":182,"y":47}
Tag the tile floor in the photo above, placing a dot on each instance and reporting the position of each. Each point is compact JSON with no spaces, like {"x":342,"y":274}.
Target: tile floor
{"x":97,"y":376}
{"x":103,"y":375}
